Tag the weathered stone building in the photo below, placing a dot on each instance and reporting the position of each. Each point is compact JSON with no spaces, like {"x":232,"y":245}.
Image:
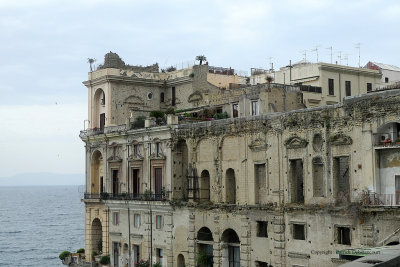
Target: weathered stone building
{"x":283,"y":186}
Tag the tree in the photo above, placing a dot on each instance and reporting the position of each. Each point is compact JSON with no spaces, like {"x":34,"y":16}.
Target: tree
{"x":201,"y":58}
{"x":91,"y":61}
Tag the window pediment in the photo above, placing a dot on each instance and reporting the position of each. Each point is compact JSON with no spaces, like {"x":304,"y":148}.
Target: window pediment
{"x":340,"y":139}
{"x":296,"y":142}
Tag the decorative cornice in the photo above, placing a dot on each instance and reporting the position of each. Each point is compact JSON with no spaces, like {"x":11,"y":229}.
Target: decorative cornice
{"x":340,"y":139}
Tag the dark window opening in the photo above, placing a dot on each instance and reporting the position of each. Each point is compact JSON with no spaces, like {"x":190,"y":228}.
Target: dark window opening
{"x":341,"y":177}
{"x":162,"y":97}
{"x":235,"y":110}
{"x":296,"y":181}
{"x":158,"y":149}
{"x":102,"y":121}
{"x":348,"y":88}
{"x":173,"y":102}
{"x":234,"y":256}
{"x":343,"y":235}
{"x":262,"y":229}
{"x":299,"y":232}
{"x":135,"y":182}
{"x":101,"y":184}
{"x":369,"y":87}
{"x":261,"y":264}
{"x":386,"y":79}
{"x":115,"y":182}
{"x":331,"y":87}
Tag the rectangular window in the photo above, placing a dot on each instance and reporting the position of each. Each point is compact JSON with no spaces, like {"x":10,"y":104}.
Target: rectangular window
{"x":386,"y":79}
{"x":343,"y":235}
{"x":159,"y":222}
{"x":348,"y":88}
{"x":136,"y":150}
{"x":369,"y":87}
{"x":262,"y":229}
{"x":115,"y":218}
{"x":299,"y":232}
{"x":235,"y":110}
{"x":296,"y":181}
{"x":341,"y":176}
{"x":254,"y":108}
{"x":136,"y":220}
{"x":331,"y":87}
{"x":160,"y":256}
{"x":136,"y":253}
{"x":173,"y":102}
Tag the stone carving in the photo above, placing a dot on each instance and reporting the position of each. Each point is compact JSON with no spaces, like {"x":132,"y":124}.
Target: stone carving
{"x":258,"y":145}
{"x":340,"y":139}
{"x":296,"y":142}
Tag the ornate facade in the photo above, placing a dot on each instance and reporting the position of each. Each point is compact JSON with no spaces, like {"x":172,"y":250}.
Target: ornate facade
{"x":284,"y":186}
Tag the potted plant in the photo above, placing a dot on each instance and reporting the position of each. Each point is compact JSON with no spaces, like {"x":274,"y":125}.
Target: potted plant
{"x":388,"y":141}
{"x":142,"y":263}
{"x":397,"y":141}
{"x":105,"y":260}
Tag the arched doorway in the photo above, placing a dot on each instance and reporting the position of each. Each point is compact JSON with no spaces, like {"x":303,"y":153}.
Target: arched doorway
{"x":96,"y":173}
{"x":205,"y":186}
{"x":181,"y":260}
{"x":231,"y":249}
{"x":205,"y":242}
{"x":98,"y":109}
{"x":230,"y":186}
{"x":96,"y":237}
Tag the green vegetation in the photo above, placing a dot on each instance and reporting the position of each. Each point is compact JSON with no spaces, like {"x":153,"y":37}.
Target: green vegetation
{"x":81,"y":250}
{"x":139,"y":122}
{"x":191,"y":75}
{"x":201,"y":58}
{"x":143,"y":263}
{"x":64,"y":254}
{"x":170,"y":111}
{"x":157,"y":114}
{"x":157,"y":264}
{"x":105,"y":259}
{"x":220,"y":116}
{"x":204,"y":260}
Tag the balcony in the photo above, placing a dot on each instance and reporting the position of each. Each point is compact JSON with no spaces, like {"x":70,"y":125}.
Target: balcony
{"x":375,"y":199}
{"x":106,"y":130}
{"x":128,"y":196}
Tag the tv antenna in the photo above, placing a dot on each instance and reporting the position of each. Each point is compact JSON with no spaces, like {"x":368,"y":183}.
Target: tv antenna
{"x":346,"y":57}
{"x":358,"y":46}
{"x":331,"y":48}
{"x":316,"y":50}
{"x":340,"y":57}
{"x":271,"y":64}
{"x":304,"y":53}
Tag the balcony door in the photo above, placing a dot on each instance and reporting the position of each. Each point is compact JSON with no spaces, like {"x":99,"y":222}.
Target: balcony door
{"x":115,"y":182}
{"x":158,"y":181}
{"x":102,"y":121}
{"x":397,"y":181}
{"x":135,"y":182}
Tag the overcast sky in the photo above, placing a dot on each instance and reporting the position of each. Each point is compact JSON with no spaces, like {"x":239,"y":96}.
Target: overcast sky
{"x":45,"y":45}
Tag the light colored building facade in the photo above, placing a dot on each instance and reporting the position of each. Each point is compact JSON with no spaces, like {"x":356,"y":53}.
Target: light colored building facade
{"x":281,"y":188}
{"x":390,"y":73}
{"x":336,"y":81}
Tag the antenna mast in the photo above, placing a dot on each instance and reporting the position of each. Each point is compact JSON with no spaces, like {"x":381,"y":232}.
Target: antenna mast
{"x":358,"y":46}
{"x":331,"y":48}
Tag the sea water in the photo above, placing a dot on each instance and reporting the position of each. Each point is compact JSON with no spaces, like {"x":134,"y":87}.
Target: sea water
{"x":39,"y":222}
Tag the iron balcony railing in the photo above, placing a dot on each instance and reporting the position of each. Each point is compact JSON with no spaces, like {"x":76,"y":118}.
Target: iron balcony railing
{"x":375,"y":199}
{"x":128,"y":196}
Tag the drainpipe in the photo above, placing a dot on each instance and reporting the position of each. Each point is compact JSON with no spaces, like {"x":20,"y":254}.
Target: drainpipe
{"x":129,"y":215}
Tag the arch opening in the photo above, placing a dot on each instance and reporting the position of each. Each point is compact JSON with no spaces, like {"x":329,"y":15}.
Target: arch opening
{"x":96,"y":237}
{"x":96,"y":173}
{"x":204,"y":186}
